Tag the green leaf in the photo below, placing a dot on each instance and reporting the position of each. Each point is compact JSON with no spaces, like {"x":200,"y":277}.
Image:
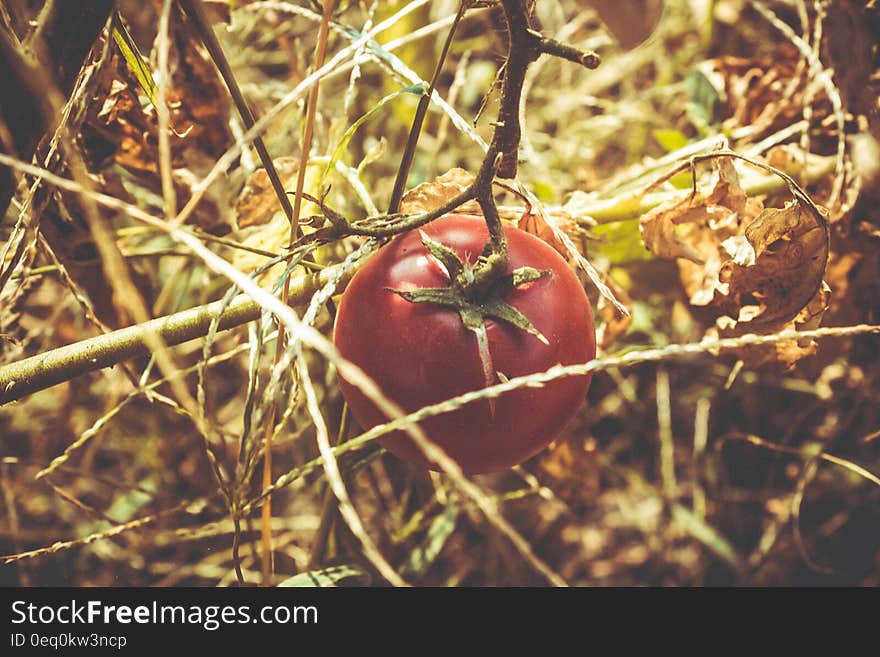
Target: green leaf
{"x":705,"y":95}
{"x":670,"y":139}
{"x":327,"y":577}
{"x":416,"y":89}
{"x":134,"y":59}
{"x":442,"y":527}
{"x":683,"y":180}
{"x":544,"y":191}
{"x":620,"y":242}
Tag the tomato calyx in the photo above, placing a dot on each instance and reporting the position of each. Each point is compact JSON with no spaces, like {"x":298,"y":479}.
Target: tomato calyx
{"x":475,"y":303}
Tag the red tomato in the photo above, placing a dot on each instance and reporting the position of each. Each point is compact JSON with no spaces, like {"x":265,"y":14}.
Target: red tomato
{"x":421,"y":353}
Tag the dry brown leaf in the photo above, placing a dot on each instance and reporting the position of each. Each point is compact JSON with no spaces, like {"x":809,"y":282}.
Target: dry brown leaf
{"x":790,"y":252}
{"x":759,"y":269}
{"x":658,"y":227}
{"x":258,"y":201}
{"x":122,"y":127}
{"x":630,"y":22}
{"x":119,"y":127}
{"x":784,"y":354}
{"x":762,"y":91}
{"x":535,"y":224}
{"x":718,"y":216}
{"x":199,"y":99}
{"x":431,"y":195}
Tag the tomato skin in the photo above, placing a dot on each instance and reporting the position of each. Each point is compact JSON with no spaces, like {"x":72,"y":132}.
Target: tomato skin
{"x":421,"y":353}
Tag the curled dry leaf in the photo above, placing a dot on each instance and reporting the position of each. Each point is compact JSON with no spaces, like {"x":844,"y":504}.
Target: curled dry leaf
{"x":782,"y":354}
{"x":767,"y":93}
{"x":760,"y":269}
{"x":770,"y":93}
{"x":117,"y":130}
{"x":124,"y":127}
{"x":782,"y":260}
{"x":695,"y":227}
{"x":121,"y":126}
{"x":431,"y":195}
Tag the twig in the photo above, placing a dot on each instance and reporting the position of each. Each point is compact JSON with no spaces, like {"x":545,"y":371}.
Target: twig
{"x":667,"y":445}
{"x":701,"y":439}
{"x":295,"y":232}
{"x":93,"y":538}
{"x":409,"y":150}
{"x":196,"y":13}
{"x":166,"y":173}
{"x":64,"y":363}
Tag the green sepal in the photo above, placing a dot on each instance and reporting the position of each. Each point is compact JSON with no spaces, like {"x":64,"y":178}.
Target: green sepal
{"x":525,"y":275}
{"x":444,"y":255}
{"x":503,"y":311}
{"x":471,"y":317}
{"x":445,"y":296}
{"x":516,"y":278}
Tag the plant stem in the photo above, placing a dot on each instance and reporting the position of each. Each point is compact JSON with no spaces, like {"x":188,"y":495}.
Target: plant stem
{"x":421,"y":111}
{"x":504,"y":150}
{"x":295,"y":231}
{"x":196,"y":13}
{"x":632,"y":205}
{"x":64,"y":363}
